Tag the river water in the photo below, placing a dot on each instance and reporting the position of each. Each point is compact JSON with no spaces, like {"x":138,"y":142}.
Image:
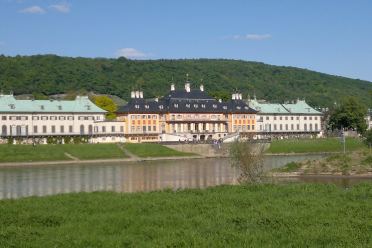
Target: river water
{"x":16,"y":182}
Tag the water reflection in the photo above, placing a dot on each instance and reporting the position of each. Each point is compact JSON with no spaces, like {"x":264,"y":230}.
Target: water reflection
{"x":124,"y":177}
{"x":143,"y":176}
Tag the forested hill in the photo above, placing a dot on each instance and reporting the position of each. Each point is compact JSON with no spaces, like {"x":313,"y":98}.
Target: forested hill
{"x":50,"y":74}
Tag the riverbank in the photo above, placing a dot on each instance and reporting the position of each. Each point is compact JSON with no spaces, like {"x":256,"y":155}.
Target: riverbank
{"x":97,"y":161}
{"x":321,"y":145}
{"x":356,"y":163}
{"x":295,"y":215}
{"x":84,"y":153}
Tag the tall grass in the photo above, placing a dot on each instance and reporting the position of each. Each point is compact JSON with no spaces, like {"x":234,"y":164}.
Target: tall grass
{"x":293,"y":215}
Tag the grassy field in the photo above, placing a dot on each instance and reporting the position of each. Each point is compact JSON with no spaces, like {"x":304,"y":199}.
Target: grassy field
{"x":313,"y":145}
{"x":25,"y":153}
{"x":291,"y":215}
{"x":153,"y":150}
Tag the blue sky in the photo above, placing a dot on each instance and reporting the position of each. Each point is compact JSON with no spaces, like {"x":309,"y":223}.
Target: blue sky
{"x":331,"y":36}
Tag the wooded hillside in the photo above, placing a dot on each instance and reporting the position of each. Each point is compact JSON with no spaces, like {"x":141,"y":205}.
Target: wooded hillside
{"x":50,"y":74}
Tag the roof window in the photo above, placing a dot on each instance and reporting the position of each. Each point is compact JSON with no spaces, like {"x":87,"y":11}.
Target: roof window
{"x":12,"y":106}
{"x":59,"y":107}
{"x":42,"y":107}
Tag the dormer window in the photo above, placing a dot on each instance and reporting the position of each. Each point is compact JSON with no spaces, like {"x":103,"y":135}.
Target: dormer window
{"x":161,"y":106}
{"x":214,"y":105}
{"x":136,"y":106}
{"x":203,"y":105}
{"x":88,"y":107}
{"x":12,"y":106}
{"x":147,"y":106}
{"x":195,"y":105}
{"x":176,"y":105}
{"x":60,"y":107}
{"x":187,"y":105}
{"x":224,"y":107}
{"x":42,"y":107}
{"x":238,"y":107}
{"x":246,"y":107}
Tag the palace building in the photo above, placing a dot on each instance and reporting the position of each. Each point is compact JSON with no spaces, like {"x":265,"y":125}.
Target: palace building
{"x":36,"y":120}
{"x":185,"y":115}
{"x":295,"y":119}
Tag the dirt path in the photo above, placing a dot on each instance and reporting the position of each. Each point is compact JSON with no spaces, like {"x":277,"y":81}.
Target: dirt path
{"x":72,"y":157}
{"x":128,"y":153}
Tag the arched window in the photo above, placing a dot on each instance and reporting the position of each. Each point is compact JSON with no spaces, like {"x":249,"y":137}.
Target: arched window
{"x":82,"y":131}
{"x":4,"y":130}
{"x":90,"y":129}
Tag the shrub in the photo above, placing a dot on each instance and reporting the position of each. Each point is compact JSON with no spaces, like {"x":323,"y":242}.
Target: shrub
{"x":248,"y":159}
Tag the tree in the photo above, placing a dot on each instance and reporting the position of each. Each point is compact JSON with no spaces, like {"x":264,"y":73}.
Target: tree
{"x":248,"y":158}
{"x":107,"y":104}
{"x":223,"y":95}
{"x":368,"y":136}
{"x":349,"y":114}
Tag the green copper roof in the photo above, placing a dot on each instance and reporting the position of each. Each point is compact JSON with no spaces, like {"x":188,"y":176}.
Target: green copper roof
{"x":81,"y":104}
{"x":300,"y":107}
{"x":267,"y":107}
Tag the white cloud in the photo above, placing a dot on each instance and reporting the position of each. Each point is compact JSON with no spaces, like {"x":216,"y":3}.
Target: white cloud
{"x":62,"y":7}
{"x":33,"y":10}
{"x":131,"y":53}
{"x":251,"y":37}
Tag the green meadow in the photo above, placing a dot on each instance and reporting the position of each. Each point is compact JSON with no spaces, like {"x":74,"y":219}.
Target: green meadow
{"x":153,"y":150}
{"x":283,"y":215}
{"x":313,"y":145}
{"x":28,"y":153}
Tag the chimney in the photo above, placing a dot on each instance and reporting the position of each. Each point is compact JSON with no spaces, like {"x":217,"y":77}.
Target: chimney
{"x":137,"y":94}
{"x":187,"y":87}
{"x":141,"y":94}
{"x":173,"y":87}
{"x":132,"y":94}
{"x":201,"y":87}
